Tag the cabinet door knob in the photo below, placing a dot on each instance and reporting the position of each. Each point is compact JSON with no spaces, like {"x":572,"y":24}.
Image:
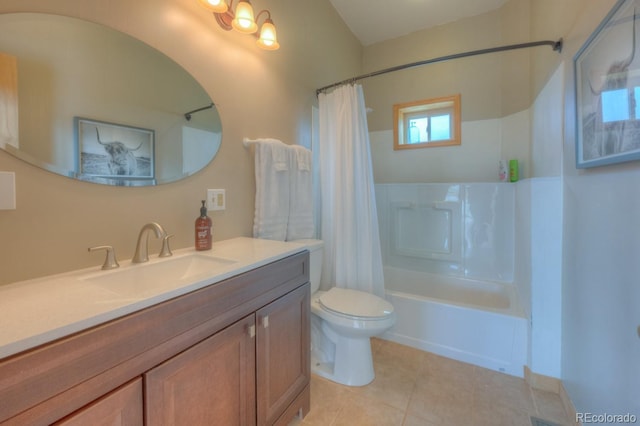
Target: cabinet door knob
{"x":252,"y":331}
{"x":265,"y":321}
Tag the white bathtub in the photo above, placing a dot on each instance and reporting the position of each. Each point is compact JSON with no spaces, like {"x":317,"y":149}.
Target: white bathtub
{"x":472,"y":321}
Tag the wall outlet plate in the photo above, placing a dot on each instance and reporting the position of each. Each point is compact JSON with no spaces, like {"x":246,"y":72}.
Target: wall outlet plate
{"x":216,"y":199}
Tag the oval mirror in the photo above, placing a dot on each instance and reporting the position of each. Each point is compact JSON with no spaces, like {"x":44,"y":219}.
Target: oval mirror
{"x":88,"y":102}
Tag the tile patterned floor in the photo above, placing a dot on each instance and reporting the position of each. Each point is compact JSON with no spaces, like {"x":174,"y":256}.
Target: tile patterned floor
{"x":413,"y":388}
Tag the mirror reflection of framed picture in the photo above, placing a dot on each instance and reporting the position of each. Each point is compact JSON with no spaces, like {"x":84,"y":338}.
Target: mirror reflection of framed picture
{"x":607,"y":72}
{"x":114,"y":152}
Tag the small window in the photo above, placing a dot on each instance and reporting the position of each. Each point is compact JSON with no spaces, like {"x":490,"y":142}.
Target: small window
{"x":428,"y":123}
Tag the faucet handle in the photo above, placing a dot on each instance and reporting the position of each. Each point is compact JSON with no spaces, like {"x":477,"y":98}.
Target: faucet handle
{"x":110,"y":261}
{"x":166,"y":250}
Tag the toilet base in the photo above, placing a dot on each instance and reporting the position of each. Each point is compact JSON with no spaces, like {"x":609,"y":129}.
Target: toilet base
{"x":352,"y":360}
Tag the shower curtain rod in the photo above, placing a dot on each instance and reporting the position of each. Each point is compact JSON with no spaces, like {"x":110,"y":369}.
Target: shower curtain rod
{"x":556,"y":45}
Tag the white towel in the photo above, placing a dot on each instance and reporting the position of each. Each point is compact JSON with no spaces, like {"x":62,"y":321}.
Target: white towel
{"x":300,"y":224}
{"x":302,"y":158}
{"x":272,"y":190}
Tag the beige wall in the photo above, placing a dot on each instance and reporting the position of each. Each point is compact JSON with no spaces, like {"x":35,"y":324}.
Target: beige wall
{"x":550,"y":19}
{"x":492,"y":85}
{"x":258,"y":93}
{"x":496,"y":93}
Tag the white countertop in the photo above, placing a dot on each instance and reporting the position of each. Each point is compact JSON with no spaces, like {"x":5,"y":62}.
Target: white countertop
{"x":41,"y":310}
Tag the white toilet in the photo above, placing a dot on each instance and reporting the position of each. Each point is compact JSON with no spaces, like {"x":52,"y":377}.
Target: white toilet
{"x":342,"y":322}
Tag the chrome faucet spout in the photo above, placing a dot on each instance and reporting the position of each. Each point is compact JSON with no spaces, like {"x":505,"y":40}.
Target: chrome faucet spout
{"x":142,"y":247}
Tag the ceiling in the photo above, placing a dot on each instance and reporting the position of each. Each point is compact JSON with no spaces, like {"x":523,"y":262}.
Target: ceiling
{"x":371,"y":22}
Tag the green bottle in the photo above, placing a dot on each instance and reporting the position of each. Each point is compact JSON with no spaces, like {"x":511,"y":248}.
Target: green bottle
{"x":513,"y":170}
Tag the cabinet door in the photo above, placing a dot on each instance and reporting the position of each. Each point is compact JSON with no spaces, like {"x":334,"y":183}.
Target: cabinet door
{"x":122,"y":407}
{"x":212,"y":383}
{"x":283,"y":347}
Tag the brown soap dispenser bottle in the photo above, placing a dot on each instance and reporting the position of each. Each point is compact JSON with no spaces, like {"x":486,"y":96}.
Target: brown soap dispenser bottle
{"x":203,"y":230}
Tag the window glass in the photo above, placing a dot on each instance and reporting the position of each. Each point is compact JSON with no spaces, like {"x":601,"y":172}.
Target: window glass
{"x":427,"y":123}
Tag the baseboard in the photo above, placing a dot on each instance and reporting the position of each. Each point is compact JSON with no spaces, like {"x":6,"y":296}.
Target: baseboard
{"x":540,"y":382}
{"x":551,"y":384}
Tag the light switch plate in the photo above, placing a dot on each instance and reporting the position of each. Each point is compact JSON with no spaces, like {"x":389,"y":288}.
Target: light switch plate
{"x":216,"y":199}
{"x":7,"y":191}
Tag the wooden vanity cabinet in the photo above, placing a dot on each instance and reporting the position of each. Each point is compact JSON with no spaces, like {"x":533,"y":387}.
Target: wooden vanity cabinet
{"x":283,"y":359}
{"x":233,"y":353}
{"x":218,"y":381}
{"x":212,"y":383}
{"x":122,"y":407}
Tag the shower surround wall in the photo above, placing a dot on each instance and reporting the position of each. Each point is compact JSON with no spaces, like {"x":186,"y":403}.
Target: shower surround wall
{"x":448,"y":253}
{"x":465,"y":230}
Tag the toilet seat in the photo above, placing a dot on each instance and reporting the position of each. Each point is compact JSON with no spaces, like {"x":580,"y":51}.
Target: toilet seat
{"x":355,"y":304}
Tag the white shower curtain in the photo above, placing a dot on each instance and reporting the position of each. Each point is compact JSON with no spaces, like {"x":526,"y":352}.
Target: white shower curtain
{"x":349,"y":221}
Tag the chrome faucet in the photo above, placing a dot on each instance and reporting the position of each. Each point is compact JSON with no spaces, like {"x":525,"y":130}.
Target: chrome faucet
{"x":142,"y":251}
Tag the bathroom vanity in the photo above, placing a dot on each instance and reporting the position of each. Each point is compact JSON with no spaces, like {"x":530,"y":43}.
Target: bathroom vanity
{"x":232,"y":348}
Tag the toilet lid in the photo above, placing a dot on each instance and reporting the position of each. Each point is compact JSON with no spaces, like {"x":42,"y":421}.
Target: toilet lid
{"x":355,"y":303}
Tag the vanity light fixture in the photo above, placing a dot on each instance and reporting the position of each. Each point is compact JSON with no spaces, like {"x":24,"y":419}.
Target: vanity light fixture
{"x":242,"y":20}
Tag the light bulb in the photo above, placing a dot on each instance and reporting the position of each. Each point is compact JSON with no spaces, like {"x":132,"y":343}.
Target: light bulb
{"x":215,"y":6}
{"x":244,"y":21}
{"x":268,"y":39}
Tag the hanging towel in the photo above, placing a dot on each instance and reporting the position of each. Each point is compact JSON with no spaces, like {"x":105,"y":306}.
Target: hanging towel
{"x":302,"y":158}
{"x":300,"y":225}
{"x":272,"y":190}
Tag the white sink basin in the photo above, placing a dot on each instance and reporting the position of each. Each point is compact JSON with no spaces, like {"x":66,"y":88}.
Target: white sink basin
{"x":139,"y":280}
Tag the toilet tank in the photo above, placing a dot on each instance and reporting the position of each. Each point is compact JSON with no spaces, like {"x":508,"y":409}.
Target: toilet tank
{"x":315,"y":261}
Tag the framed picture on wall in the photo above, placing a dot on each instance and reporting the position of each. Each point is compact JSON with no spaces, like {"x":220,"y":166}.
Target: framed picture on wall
{"x":607,"y":76}
{"x":114,"y":153}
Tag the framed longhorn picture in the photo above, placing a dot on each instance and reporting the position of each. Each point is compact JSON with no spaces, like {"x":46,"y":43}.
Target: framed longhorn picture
{"x":114,"y":153}
{"x":607,"y":76}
